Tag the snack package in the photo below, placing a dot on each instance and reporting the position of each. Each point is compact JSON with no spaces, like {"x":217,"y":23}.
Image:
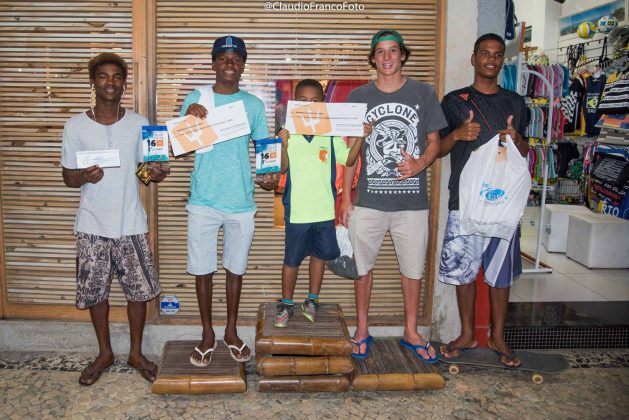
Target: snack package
{"x":155,"y":143}
{"x":268,"y":157}
{"x":143,"y":173}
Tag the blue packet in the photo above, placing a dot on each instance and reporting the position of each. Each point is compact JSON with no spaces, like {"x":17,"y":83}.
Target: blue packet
{"x":155,"y":143}
{"x":268,"y":156}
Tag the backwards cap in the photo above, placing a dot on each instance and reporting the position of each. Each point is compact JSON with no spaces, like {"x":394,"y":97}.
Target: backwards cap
{"x":387,"y":35}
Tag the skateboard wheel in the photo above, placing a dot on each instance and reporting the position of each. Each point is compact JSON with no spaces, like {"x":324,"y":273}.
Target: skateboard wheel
{"x":453,"y":369}
{"x":537,"y":379}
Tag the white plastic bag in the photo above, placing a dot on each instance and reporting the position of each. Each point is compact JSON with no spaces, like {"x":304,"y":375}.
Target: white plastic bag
{"x":493,"y":190}
{"x":342,"y":237}
{"x":344,"y":265}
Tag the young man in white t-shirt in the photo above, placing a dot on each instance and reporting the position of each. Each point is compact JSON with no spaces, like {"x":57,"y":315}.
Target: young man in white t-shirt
{"x":111,"y":224}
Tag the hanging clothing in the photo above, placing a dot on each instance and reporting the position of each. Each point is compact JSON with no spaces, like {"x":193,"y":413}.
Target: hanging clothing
{"x":573,"y":104}
{"x":594,"y":88}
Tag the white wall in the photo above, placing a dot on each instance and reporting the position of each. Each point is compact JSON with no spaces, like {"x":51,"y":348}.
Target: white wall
{"x":458,"y":73}
{"x":543,"y":17}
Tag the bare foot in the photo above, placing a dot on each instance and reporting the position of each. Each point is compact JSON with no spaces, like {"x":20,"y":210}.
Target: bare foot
{"x":94,"y":370}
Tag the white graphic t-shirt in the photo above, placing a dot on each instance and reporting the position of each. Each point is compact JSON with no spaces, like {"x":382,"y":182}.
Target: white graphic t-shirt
{"x":402,"y":121}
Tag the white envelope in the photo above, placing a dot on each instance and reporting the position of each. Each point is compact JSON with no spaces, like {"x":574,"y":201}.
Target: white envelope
{"x":109,"y":158}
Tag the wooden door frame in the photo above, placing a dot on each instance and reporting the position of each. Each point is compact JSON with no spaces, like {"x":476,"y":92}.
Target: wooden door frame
{"x":435,"y":176}
{"x":143,"y":45}
{"x":3,"y":267}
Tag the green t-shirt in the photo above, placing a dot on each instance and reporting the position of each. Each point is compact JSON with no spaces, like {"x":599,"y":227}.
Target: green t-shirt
{"x":310,"y":185}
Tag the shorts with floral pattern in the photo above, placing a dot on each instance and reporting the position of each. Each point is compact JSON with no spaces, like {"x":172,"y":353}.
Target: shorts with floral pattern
{"x":98,"y":258}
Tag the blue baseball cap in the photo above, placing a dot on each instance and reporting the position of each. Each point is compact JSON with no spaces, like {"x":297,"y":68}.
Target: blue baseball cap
{"x":229,"y":44}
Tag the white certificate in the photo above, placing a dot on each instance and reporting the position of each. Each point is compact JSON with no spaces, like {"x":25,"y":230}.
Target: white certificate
{"x":109,"y":158}
{"x":223,"y":123}
{"x":325,"y":119}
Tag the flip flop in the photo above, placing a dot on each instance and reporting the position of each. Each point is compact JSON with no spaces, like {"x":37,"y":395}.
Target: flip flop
{"x":415,"y":347}
{"x":148,"y":373}
{"x":450,"y":348}
{"x":358,"y":355}
{"x":203,"y":354}
{"x":239,"y":349}
{"x":510,"y":358}
{"x":94,"y":374}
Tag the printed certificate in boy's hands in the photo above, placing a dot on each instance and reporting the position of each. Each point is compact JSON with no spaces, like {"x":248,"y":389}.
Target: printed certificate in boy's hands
{"x":325,"y":119}
{"x":223,"y":123}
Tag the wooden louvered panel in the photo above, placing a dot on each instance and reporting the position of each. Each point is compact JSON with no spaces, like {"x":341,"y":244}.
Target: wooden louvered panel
{"x":45,"y":48}
{"x":281,"y":45}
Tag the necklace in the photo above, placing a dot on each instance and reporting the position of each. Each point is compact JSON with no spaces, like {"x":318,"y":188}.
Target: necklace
{"x":117,"y":114}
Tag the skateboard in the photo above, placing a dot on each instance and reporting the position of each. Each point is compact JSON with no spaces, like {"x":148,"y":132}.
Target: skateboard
{"x":538,"y":364}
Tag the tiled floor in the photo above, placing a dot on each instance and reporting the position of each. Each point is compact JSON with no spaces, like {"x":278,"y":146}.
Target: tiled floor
{"x":45,"y":386}
{"x":569,"y":281}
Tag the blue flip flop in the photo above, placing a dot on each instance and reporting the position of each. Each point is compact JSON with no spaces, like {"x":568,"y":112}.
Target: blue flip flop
{"x":358,"y":355}
{"x":415,"y":347}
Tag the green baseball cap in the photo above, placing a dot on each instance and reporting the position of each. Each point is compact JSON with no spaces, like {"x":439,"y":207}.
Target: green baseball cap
{"x":387,"y":35}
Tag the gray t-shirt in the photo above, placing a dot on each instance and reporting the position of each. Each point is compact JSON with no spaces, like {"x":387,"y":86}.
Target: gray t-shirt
{"x":403,"y":120}
{"x":110,"y":208}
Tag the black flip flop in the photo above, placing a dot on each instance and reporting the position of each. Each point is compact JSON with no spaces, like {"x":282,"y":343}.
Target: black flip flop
{"x":450,"y":348}
{"x":94,"y":374}
{"x":148,"y":373}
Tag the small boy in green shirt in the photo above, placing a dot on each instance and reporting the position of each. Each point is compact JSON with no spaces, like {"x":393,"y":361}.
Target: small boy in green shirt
{"x":310,"y":164}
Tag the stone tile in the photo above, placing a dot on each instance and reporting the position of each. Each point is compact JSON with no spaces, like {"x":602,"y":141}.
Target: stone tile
{"x":45,"y":386}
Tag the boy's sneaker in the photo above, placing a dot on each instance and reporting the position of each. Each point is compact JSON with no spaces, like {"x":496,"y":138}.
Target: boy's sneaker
{"x":309,"y":309}
{"x":284,"y":312}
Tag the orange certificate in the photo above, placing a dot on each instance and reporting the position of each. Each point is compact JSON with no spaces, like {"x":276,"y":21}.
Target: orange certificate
{"x":325,"y":119}
{"x":223,"y":123}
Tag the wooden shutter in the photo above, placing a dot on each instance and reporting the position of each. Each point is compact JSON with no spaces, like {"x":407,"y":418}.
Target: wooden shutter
{"x":45,"y":47}
{"x":281,"y":45}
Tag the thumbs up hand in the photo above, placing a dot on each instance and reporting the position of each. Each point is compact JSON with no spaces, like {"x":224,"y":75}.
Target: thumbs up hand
{"x":469,"y":130}
{"x":410,"y":166}
{"x":509,"y":131}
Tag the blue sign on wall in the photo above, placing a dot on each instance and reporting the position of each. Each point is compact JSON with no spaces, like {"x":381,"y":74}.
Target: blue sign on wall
{"x":169,"y":305}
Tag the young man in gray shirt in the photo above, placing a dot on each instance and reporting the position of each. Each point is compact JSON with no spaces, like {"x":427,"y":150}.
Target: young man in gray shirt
{"x":111,"y":225}
{"x":392,"y":188}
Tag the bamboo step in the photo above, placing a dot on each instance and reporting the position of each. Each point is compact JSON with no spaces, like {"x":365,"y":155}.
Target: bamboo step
{"x":328,"y":336}
{"x":390,"y":367}
{"x":317,"y":383}
{"x":270,"y":365}
{"x":177,"y":376}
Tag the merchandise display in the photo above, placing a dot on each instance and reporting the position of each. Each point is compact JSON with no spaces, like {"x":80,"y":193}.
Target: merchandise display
{"x":606,"y":24}
{"x":586,"y":30}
